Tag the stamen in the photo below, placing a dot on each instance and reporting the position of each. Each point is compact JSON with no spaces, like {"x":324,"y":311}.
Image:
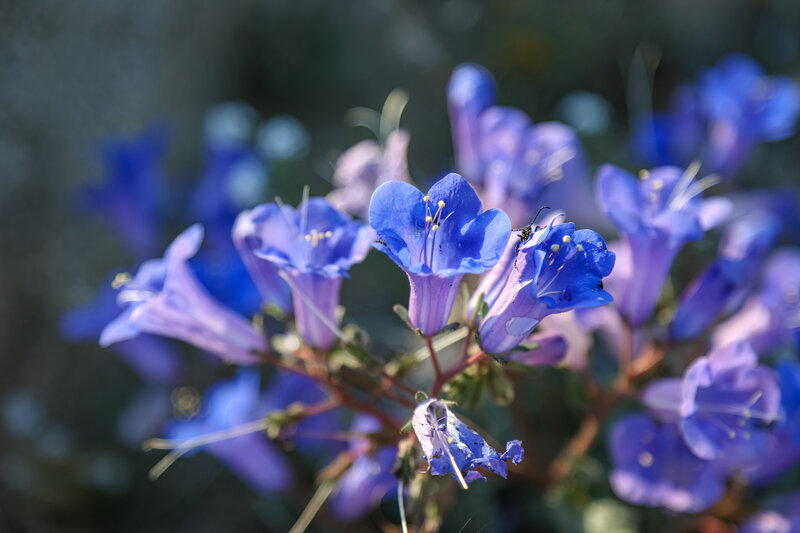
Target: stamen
{"x":646,"y":459}
{"x":441,"y":204}
{"x":435,"y":227}
{"x":644,"y":174}
{"x":566,"y":238}
{"x":579,"y":247}
{"x":658,"y":184}
{"x":428,"y":218}
{"x":120,"y":280}
{"x":328,"y":234}
{"x":426,"y":198}
{"x":555,"y":247}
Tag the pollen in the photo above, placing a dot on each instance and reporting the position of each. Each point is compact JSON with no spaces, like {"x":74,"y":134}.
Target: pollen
{"x":121,"y":279}
{"x":566,"y":238}
{"x":555,"y":247}
{"x":658,"y":184}
{"x":328,"y":234}
{"x":308,"y":237}
{"x":435,"y":227}
{"x":450,"y":440}
{"x":579,"y":247}
{"x":426,"y":198}
{"x":428,"y":218}
{"x":646,"y":459}
{"x":440,"y":204}
{"x":644,"y":174}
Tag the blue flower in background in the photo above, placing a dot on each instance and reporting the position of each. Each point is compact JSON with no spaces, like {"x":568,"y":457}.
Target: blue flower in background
{"x":556,"y":270}
{"x":724,"y":283}
{"x":657,"y":215}
{"x":315,"y":245}
{"x":652,"y":466}
{"x":450,"y":447}
{"x":369,"y":479}
{"x":436,"y":239}
{"x":165,"y":298}
{"x":720,"y":118}
{"x":510,"y":161}
{"x":132,"y":196}
{"x":722,"y":404}
{"x":783,"y":516}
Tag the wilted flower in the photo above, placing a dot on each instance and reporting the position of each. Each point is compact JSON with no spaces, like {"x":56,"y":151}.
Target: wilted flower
{"x":314,"y":245}
{"x":165,"y":298}
{"x":652,"y":466}
{"x":436,"y":238}
{"x":556,"y":270}
{"x":722,"y":404}
{"x":450,"y":447}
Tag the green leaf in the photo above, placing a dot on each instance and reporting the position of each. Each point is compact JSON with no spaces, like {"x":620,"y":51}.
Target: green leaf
{"x":420,"y":397}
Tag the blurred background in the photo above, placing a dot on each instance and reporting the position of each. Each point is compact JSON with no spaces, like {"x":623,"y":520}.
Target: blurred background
{"x":75,"y":74}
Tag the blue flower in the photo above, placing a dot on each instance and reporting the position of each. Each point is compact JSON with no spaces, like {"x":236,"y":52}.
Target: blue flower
{"x":369,"y":479}
{"x":724,"y":283}
{"x":783,"y":516}
{"x":550,"y":349}
{"x":252,"y":456}
{"x":511,"y":162}
{"x":132,"y":196}
{"x":556,"y":270}
{"x":364,"y":167}
{"x":314,"y":245}
{"x":721,"y":118}
{"x":657,"y":215}
{"x":723,"y":404}
{"x":436,"y":238}
{"x":165,"y":298}
{"x":652,"y":466}
{"x":450,"y":447}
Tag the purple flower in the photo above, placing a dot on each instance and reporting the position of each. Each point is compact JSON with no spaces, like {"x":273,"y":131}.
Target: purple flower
{"x":132,"y":195}
{"x":722,"y":404}
{"x":369,"y":478}
{"x":551,"y":349}
{"x":165,"y":298}
{"x":436,"y":239}
{"x":721,"y":118}
{"x":770,"y":318}
{"x":252,"y":456}
{"x":724,"y":283}
{"x":314,"y":245}
{"x":450,"y":447}
{"x":657,"y":215}
{"x":652,"y":466}
{"x":364,"y":167}
{"x":556,"y":270}
{"x":509,"y":160}
{"x":783,"y":516}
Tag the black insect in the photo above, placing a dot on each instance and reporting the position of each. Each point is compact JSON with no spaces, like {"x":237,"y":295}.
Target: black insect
{"x":526,"y":232}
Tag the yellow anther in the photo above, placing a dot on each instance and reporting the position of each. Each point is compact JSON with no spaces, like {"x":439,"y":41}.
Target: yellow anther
{"x":555,"y":247}
{"x":566,"y":238}
{"x":579,"y":247}
{"x":435,"y":227}
{"x":657,"y":184}
{"x":450,"y":440}
{"x":644,"y":174}
{"x":440,"y":204}
{"x":426,"y":198}
{"x":646,"y":459}
{"x":328,"y":234}
{"x":428,"y":218}
{"x":308,"y":236}
{"x":121,"y":279}
{"x":731,"y":434}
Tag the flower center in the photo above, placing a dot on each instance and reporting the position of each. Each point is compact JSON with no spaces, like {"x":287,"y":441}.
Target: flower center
{"x":433,"y":219}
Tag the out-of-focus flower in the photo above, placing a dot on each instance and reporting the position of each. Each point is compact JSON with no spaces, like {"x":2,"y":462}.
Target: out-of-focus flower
{"x":369,"y":478}
{"x":315,"y":245}
{"x":229,"y":124}
{"x":724,"y":283}
{"x":510,"y":161}
{"x":556,"y":270}
{"x":436,"y":239}
{"x":783,"y":516}
{"x":722,"y":404}
{"x":283,"y":138}
{"x":657,"y":215}
{"x":550,"y":349}
{"x":364,"y":167}
{"x":770,"y":318}
{"x":252,"y":456}
{"x":131,"y":197}
{"x":165,"y":298}
{"x":450,"y":447}
{"x":652,"y":466}
{"x":721,"y":118}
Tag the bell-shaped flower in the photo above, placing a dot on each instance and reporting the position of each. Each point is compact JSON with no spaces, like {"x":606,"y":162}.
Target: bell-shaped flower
{"x":722,"y":404}
{"x":652,"y":466}
{"x":771,"y":317}
{"x":720,"y":118}
{"x":314,"y":246}
{"x":656,"y":215}
{"x":556,"y":270}
{"x":369,"y":479}
{"x":364,"y":167}
{"x":509,"y":160}
{"x":436,"y":238}
{"x":547,"y":348}
{"x":450,"y":447}
{"x":165,"y":298}
{"x":724,"y":283}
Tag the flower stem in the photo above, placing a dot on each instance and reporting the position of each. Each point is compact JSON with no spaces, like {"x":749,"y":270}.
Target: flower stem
{"x":435,"y":361}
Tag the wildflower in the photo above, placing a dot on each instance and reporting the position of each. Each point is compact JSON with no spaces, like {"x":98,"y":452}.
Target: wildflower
{"x":314,"y":245}
{"x":724,"y":283}
{"x":364,"y":167}
{"x":722,"y":404}
{"x":657,"y":215}
{"x":450,"y":447}
{"x":558,"y":269}
{"x":511,"y":162}
{"x":436,"y":239}
{"x":783,"y":516}
{"x":721,"y":118}
{"x":550,"y":348}
{"x":652,"y":466}
{"x":165,"y":298}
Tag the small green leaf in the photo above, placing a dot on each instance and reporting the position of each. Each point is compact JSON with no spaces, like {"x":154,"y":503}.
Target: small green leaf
{"x":420,"y":397}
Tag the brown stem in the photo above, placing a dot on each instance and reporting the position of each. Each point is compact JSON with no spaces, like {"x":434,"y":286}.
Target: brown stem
{"x":434,"y":359}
